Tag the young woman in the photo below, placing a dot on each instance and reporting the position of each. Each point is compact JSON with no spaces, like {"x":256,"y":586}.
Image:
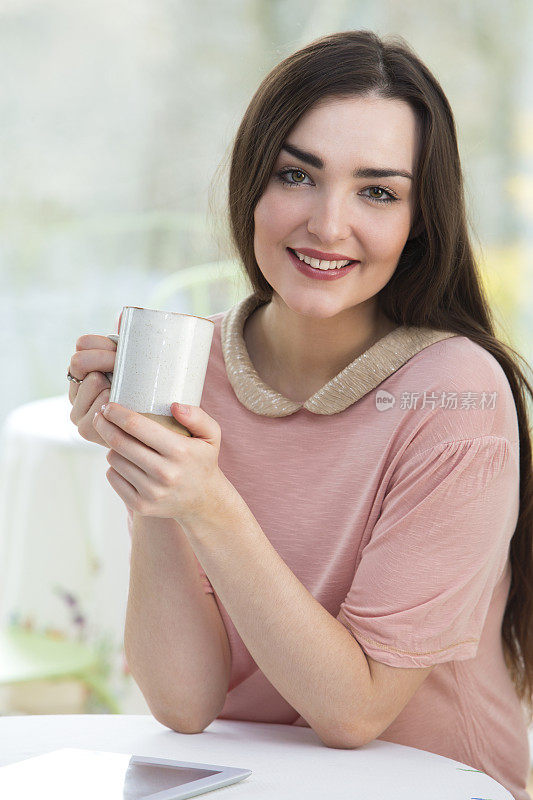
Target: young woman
{"x":357,"y":492}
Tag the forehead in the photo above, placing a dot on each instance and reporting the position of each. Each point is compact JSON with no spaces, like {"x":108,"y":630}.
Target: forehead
{"x":370,"y":129}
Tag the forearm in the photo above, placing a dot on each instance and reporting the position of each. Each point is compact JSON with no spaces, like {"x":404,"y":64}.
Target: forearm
{"x":172,"y":636}
{"x":307,"y":654}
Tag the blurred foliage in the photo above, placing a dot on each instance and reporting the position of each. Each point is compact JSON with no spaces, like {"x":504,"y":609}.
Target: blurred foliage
{"x":506,"y":276}
{"x":502,"y":272}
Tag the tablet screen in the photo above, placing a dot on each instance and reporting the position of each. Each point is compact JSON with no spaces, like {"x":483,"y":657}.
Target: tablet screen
{"x":89,"y":774}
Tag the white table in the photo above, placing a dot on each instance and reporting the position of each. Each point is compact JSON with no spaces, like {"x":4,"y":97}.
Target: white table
{"x":286,"y":761}
{"x":64,"y":543}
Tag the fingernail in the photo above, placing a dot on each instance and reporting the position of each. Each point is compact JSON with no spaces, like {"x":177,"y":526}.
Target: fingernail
{"x":103,"y":408}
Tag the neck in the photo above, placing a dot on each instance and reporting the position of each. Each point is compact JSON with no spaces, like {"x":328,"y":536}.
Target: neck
{"x":302,"y":354}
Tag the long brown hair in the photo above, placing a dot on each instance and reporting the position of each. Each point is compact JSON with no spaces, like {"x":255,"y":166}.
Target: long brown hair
{"x":359,"y":63}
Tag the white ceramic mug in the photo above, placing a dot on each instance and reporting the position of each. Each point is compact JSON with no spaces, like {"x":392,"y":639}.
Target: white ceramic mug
{"x":161,"y":359}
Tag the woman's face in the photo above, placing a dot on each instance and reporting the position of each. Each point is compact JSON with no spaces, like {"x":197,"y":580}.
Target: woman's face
{"x":331,"y":209}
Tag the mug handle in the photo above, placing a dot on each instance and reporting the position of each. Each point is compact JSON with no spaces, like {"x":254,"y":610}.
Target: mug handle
{"x":114,"y":338}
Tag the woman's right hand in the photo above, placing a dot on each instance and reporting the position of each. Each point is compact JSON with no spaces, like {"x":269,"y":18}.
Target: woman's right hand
{"x":94,"y":356}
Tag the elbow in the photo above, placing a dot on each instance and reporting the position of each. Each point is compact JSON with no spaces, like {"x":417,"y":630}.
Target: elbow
{"x":345,"y":738}
{"x":343,"y":744}
{"x":180,"y":726}
{"x":188,"y":725}
{"x":188,"y":729}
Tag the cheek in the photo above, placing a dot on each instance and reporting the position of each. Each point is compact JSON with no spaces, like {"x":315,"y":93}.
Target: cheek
{"x":386,"y":238}
{"x":272,"y":215}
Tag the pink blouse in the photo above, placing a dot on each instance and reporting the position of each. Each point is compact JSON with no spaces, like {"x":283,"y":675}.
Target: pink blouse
{"x":392,"y":495}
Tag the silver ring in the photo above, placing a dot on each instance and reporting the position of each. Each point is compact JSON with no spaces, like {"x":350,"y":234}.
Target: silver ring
{"x":72,"y":378}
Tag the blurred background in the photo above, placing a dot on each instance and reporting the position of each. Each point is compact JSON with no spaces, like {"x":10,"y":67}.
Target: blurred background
{"x":117,"y":124}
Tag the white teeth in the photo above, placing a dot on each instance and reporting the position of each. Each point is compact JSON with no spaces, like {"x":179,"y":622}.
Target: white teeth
{"x":314,"y":262}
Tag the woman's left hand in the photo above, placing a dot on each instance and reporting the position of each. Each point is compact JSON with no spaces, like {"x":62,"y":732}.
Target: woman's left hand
{"x":160,"y":473}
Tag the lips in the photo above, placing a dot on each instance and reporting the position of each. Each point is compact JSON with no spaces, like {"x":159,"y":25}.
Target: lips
{"x":331,"y":256}
{"x":320,"y":274}
{"x":305,"y":251}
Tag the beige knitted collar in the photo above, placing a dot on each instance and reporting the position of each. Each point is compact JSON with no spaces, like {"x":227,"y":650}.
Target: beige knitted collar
{"x":357,"y":379}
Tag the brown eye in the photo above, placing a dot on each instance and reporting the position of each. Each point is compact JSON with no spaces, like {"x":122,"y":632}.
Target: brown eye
{"x":286,"y":177}
{"x":390,"y":198}
{"x":298,"y":172}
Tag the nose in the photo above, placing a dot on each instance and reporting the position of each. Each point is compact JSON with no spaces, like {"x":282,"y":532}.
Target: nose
{"x":329,"y":220}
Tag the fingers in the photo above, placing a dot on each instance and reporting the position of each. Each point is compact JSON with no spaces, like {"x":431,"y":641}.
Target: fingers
{"x":88,"y":392}
{"x":86,"y":427}
{"x":92,"y":394}
{"x":82,"y":395}
{"x":95,"y":342}
{"x":94,"y":356}
{"x":124,"y":489}
{"x":131,"y":448}
{"x":133,"y":474}
{"x":85,"y":361}
{"x":135,"y":426}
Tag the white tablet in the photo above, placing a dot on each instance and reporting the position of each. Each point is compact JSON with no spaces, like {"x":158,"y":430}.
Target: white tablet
{"x":99,"y":775}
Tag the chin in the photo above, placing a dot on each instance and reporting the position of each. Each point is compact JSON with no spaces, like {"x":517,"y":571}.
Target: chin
{"x":315,"y":307}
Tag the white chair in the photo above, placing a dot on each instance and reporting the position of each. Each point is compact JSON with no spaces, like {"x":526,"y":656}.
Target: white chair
{"x":211,"y":288}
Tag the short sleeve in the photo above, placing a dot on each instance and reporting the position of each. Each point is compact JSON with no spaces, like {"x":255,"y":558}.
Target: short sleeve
{"x":208,"y":589}
{"x":422,"y":588}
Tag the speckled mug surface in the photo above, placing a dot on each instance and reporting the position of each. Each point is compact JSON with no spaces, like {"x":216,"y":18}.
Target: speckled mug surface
{"x":161,"y":359}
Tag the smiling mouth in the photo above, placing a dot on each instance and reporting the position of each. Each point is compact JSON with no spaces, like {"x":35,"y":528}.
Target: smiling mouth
{"x":322,"y":269}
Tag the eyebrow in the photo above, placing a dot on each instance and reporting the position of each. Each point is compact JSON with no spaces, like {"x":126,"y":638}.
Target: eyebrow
{"x":362,"y":172}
